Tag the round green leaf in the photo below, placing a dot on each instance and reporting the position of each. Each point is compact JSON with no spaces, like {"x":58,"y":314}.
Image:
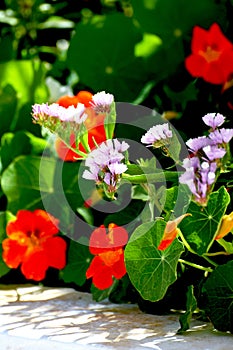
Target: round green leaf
{"x":102,"y":54}
{"x":150,"y":270}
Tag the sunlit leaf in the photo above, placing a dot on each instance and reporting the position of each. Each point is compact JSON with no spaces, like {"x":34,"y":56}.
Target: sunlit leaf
{"x":151,"y":271}
{"x":201,"y":227}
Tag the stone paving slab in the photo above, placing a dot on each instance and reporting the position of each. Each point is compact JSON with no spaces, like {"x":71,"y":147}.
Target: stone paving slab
{"x":63,"y":319}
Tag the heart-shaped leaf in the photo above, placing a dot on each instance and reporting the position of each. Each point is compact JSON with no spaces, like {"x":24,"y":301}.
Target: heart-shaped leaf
{"x":150,"y":270}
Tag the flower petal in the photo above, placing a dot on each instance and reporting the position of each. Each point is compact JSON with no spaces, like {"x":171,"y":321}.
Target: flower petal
{"x":100,"y":273}
{"x":35,"y":266}
{"x":55,"y":248}
{"x":13,"y":253}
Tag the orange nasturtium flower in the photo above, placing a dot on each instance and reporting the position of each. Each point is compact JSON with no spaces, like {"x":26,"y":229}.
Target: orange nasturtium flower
{"x":33,"y":244}
{"x":94,"y":124}
{"x":170,"y":232}
{"x":212,"y":55}
{"x":226,"y":226}
{"x":109,"y":255}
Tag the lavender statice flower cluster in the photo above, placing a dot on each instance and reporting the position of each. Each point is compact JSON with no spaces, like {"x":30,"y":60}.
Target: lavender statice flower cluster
{"x":157,"y":136}
{"x":206,"y":158}
{"x":45,"y":112}
{"x":101,"y":102}
{"x":106,"y":165}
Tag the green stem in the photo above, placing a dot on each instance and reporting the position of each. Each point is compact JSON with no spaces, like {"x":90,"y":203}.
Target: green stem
{"x":210,"y":261}
{"x":185,"y":242}
{"x":217,"y":253}
{"x":148,"y":178}
{"x":208,"y":269}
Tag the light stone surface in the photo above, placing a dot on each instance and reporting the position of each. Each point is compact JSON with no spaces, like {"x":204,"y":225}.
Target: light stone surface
{"x":39,"y":318}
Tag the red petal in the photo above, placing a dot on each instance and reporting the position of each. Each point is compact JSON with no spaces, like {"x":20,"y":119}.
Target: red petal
{"x":63,"y":152}
{"x":13,"y":253}
{"x":119,"y":269}
{"x":84,"y":97}
{"x":118,"y":237}
{"x":199,"y":39}
{"x":24,"y":222}
{"x":35,"y":266}
{"x":66,"y":101}
{"x":55,"y":249}
{"x":98,"y":240}
{"x":102,"y":274}
{"x":164,"y":244}
{"x":45,"y":223}
{"x":103,"y":278}
{"x":218,"y":39}
{"x":213,"y":73}
{"x":95,"y":265}
{"x":195,"y":65}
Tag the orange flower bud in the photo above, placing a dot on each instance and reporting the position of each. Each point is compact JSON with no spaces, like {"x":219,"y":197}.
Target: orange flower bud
{"x":226,"y":226}
{"x":170,"y":232}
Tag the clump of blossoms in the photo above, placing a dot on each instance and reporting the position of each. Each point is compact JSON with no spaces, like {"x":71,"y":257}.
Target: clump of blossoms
{"x":79,"y":121}
{"x":159,"y":136}
{"x":58,"y":119}
{"x":207,"y":158}
{"x":106,"y":165}
{"x":102,"y":102}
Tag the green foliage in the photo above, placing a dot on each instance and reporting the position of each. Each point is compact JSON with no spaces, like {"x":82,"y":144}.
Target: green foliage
{"x":151,"y":271}
{"x":4,"y":218}
{"x":201,"y":227}
{"x":191,"y":306}
{"x":104,"y":57}
{"x":79,"y":259}
{"x":19,"y":143}
{"x":32,"y":182}
{"x":218,"y":297}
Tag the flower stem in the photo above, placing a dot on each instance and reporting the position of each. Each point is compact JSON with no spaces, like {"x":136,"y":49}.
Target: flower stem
{"x":148,"y":178}
{"x":208,"y":269}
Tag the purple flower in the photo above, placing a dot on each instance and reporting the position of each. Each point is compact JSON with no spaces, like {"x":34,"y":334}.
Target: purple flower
{"x":198,"y":143}
{"x":214,"y":152}
{"x":213,"y":120}
{"x":199,"y":176}
{"x":106,"y":164}
{"x":157,"y":136}
{"x":221,"y":136}
{"x":101,"y":102}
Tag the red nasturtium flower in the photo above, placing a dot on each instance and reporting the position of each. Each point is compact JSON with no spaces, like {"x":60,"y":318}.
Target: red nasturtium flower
{"x":33,"y":244}
{"x":212,"y":55}
{"x":109,"y":255}
{"x":170,"y":232}
{"x":94,"y":124}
